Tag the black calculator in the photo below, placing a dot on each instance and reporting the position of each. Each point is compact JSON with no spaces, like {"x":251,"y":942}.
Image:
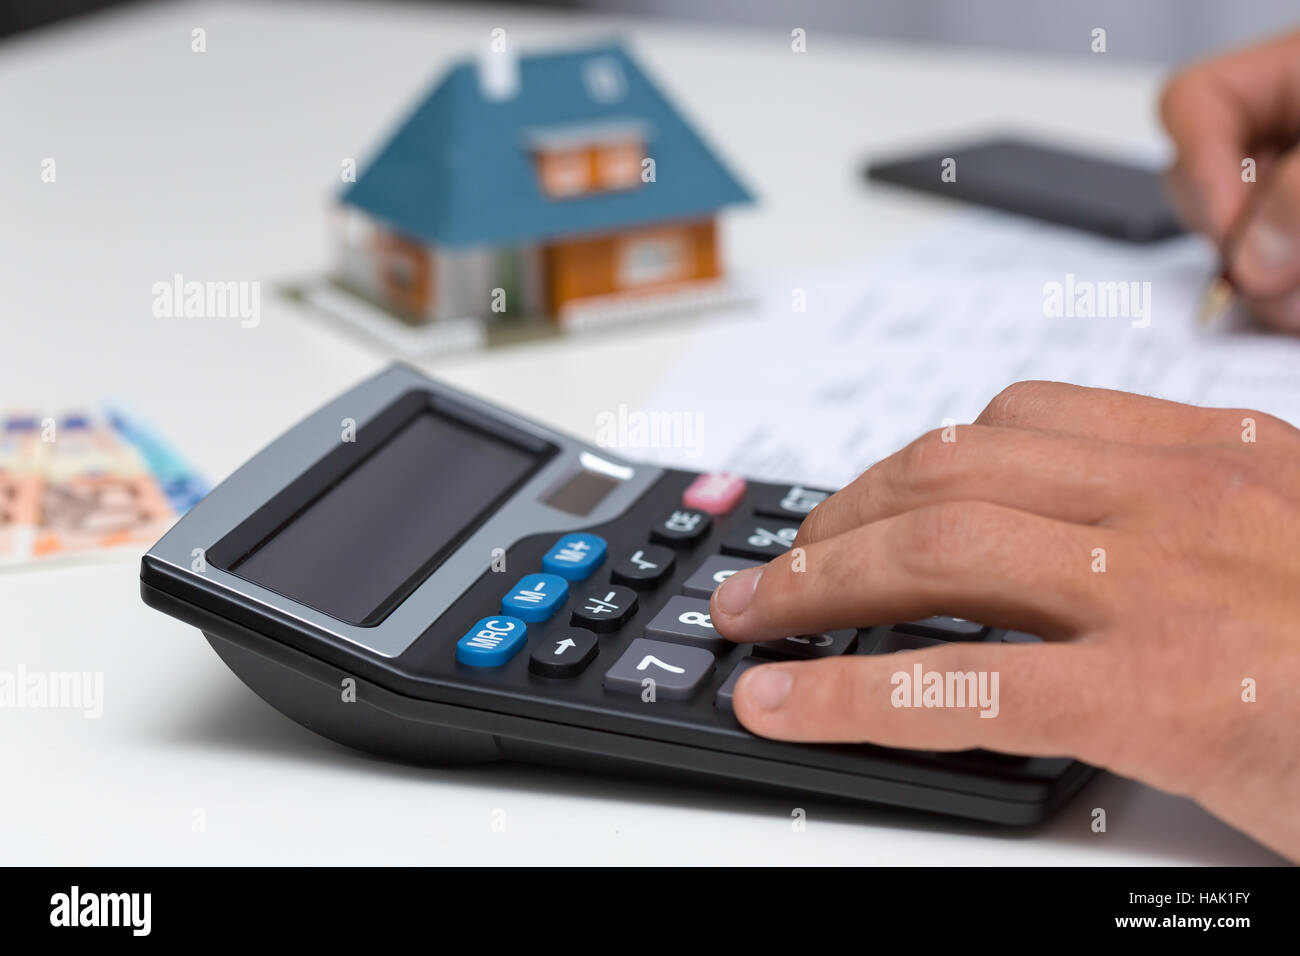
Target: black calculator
{"x":417,"y":573}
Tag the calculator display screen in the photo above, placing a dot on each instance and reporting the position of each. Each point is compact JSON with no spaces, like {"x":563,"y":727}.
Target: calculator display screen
{"x":383,"y":526}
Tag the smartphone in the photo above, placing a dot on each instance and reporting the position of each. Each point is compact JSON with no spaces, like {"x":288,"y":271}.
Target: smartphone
{"x":1092,"y":193}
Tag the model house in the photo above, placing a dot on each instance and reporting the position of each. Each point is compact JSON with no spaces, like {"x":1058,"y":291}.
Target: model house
{"x":527,"y":186}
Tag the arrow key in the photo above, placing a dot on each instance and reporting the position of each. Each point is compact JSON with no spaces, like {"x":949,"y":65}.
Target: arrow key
{"x":565,"y":654}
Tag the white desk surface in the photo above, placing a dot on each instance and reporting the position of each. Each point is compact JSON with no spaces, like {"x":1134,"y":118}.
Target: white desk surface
{"x":220,"y":166}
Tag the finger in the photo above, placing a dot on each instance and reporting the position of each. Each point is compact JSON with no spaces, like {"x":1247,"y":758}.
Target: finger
{"x":975,"y":560}
{"x":1045,"y":700}
{"x":1080,"y":480}
{"x":1280,"y":312}
{"x":1120,"y":416}
{"x":1265,"y":260}
{"x":1209,"y":137}
{"x":1221,"y":111}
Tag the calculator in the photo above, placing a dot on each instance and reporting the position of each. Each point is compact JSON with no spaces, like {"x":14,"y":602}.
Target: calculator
{"x":415,"y":572}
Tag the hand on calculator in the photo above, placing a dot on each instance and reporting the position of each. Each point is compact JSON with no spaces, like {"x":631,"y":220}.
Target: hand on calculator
{"x":1154,"y":546}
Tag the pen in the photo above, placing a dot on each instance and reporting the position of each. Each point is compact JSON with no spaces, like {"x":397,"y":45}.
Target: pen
{"x":1220,"y":295}
{"x":1217,"y":300}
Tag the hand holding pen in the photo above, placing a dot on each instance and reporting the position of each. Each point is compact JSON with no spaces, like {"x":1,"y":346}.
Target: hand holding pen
{"x":1235,"y":123}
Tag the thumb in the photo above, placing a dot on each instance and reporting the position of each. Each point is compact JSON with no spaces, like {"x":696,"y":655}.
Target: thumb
{"x":1264,"y":262}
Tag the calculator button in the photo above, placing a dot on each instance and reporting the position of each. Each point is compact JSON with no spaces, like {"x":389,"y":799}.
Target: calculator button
{"x":808,"y":646}
{"x":715,"y":494}
{"x":677,"y":671}
{"x":566,"y":654}
{"x":713,"y":572}
{"x":575,"y":556}
{"x":686,"y":620}
{"x":492,"y":641}
{"x":899,"y":641}
{"x":947,"y":628}
{"x":536,"y":597}
{"x":792,"y":503}
{"x":681,"y":528}
{"x":644,"y":567}
{"x":727,"y":692}
{"x":761,"y":539}
{"x":604,"y":608}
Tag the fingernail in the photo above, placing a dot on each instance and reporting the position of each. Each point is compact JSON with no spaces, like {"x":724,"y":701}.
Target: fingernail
{"x":1265,"y":249}
{"x":736,"y":593}
{"x":767,"y":687}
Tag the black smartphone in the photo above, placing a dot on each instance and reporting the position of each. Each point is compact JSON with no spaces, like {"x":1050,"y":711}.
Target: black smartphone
{"x":1091,"y":193}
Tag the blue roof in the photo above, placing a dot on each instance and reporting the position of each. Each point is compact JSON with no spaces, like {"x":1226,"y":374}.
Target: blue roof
{"x":458,"y":170}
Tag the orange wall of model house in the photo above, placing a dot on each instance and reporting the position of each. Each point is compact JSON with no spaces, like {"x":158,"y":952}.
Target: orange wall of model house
{"x":579,"y":268}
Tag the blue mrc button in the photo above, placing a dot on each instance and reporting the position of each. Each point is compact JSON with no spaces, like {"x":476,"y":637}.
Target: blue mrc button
{"x":536,"y":597}
{"x":491,"y":642}
{"x":575,"y":556}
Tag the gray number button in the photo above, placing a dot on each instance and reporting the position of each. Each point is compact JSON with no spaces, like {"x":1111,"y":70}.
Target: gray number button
{"x":948,"y":628}
{"x":727,"y":692}
{"x":809,"y":646}
{"x":686,"y":621}
{"x":677,"y":671}
{"x":713,"y":572}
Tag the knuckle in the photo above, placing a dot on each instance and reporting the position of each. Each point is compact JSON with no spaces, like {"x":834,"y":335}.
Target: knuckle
{"x":1008,"y":405}
{"x":1272,"y":421}
{"x":1227,"y":471}
{"x":934,"y":536}
{"x":1219,"y":478}
{"x":918,"y":458}
{"x":1232,"y":423}
{"x":1273,"y":426}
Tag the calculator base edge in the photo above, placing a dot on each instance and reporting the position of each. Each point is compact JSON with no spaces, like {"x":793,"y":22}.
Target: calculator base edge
{"x":379,"y":721}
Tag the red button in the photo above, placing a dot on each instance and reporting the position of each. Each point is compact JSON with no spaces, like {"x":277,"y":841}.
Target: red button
{"x":714,"y":494}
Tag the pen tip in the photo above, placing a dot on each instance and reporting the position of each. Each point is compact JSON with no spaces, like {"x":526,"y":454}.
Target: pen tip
{"x":1216,"y":302}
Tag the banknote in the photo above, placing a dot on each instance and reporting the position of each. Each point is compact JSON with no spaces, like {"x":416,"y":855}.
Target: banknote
{"x":85,"y":482}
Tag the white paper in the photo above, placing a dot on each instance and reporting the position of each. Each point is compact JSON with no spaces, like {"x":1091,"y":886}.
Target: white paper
{"x":928,"y":335}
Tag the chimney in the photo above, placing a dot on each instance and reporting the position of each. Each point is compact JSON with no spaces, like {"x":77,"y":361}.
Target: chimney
{"x":498,"y":69}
